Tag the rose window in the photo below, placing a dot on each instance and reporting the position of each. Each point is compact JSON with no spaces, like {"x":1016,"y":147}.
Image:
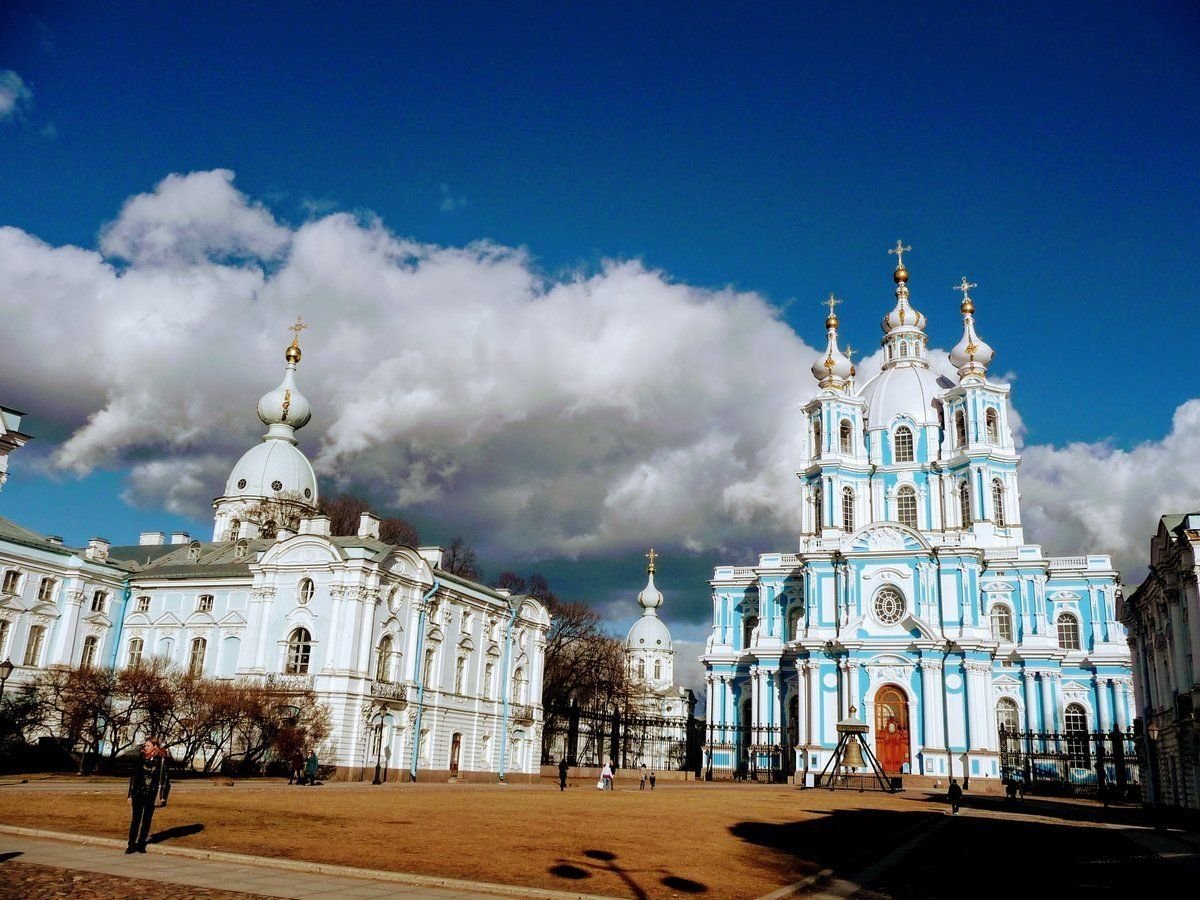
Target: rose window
{"x":889,"y":606}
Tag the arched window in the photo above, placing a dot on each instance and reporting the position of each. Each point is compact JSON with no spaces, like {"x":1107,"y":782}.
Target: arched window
{"x":307,"y":591}
{"x":1002,"y":623}
{"x":845,"y":433}
{"x":194,"y":551}
{"x":136,"y":647}
{"x":906,"y":506}
{"x":904,"y":348}
{"x":816,"y":437}
{"x":383,"y":660}
{"x":848,"y":508}
{"x":520,"y":684}
{"x":641,"y":670}
{"x":235,"y":530}
{"x":196,"y":659}
{"x":794,"y":618}
{"x":33,"y":645}
{"x":1008,"y":716}
{"x":904,"y":444}
{"x":748,"y":626}
{"x":658,"y":670}
{"x":90,"y":645}
{"x":964,"y":503}
{"x":299,"y":652}
{"x":430,"y":654}
{"x":1068,"y":632}
{"x":960,"y":428}
{"x":993,"y":426}
{"x":1076,"y":726}
{"x":818,"y":506}
{"x":998,"y":502}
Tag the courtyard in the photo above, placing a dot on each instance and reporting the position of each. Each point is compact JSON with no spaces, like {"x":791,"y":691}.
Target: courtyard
{"x":682,"y":839}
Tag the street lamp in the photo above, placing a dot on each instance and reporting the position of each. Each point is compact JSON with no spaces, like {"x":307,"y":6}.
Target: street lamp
{"x":6,"y":668}
{"x":379,"y":747}
{"x":1152,"y":762}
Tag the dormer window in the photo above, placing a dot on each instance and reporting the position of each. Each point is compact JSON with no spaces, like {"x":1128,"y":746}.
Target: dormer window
{"x":194,"y":551}
{"x":904,"y":444}
{"x":242,"y":549}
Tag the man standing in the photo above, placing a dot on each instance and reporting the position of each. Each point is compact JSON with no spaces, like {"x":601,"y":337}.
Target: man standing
{"x":954,"y":796}
{"x":310,"y":767}
{"x":149,"y":786}
{"x":562,"y":774}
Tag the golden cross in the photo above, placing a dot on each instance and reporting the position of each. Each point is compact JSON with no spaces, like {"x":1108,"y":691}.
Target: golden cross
{"x":964,"y":287}
{"x":831,"y":302}
{"x":899,"y":250}
{"x":850,"y":351}
{"x":652,"y":556}
{"x":297,"y":328}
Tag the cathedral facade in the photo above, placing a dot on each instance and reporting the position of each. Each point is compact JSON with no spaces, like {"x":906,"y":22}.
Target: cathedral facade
{"x":913,"y":597}
{"x":424,"y":672}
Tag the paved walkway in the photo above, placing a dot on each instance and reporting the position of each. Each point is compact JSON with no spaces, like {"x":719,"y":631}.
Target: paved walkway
{"x":217,"y":870}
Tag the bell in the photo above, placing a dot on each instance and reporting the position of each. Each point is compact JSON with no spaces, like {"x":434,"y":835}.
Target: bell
{"x":853,"y":755}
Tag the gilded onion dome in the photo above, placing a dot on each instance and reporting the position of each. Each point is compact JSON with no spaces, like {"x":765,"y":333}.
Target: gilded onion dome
{"x":971,"y":355}
{"x":832,"y":369}
{"x":285,"y":409}
{"x":903,"y":317}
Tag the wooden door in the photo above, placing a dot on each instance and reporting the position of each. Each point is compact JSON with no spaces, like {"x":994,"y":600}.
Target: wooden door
{"x":891,"y":729}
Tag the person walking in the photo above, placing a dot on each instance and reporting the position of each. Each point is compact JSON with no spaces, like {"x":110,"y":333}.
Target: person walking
{"x":954,"y":796}
{"x":652,"y":780}
{"x":296,"y":774}
{"x":606,"y":775}
{"x":562,"y":774}
{"x":310,"y":767}
{"x":149,"y":786}
{"x":642,"y":786}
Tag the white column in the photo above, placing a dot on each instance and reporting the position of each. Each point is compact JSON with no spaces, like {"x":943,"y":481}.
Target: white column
{"x":264,"y":628}
{"x":1104,"y":703}
{"x":814,"y":701}
{"x":983,"y":728}
{"x":1030,"y":701}
{"x":801,"y":703}
{"x":336,"y":601}
{"x":755,"y":718}
{"x":931,"y":705}
{"x":1049,"y":719}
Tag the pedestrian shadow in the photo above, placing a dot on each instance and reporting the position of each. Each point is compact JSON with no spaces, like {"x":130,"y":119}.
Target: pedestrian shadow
{"x":5,"y":857}
{"x":169,"y":834}
{"x":1052,"y":807}
{"x":604,"y":861}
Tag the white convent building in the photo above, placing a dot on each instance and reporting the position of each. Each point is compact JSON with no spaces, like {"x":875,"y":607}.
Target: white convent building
{"x":651,"y":657}
{"x":426,"y":671}
{"x":913,"y":595}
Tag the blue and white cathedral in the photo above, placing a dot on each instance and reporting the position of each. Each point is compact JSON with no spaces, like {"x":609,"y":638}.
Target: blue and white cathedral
{"x":914,"y":597}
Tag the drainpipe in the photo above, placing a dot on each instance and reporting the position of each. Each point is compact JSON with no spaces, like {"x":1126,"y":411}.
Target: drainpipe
{"x":116,"y":651}
{"x":419,"y":663}
{"x":513,"y":607}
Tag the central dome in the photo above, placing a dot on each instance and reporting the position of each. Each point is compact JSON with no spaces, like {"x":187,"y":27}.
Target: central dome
{"x":649,"y":633}
{"x":908,"y":391}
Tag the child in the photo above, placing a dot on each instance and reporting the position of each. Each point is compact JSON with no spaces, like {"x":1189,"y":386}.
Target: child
{"x":651,"y":781}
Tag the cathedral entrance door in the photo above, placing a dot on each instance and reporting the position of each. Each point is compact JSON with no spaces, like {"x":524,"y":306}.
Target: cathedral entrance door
{"x":891,"y":729}
{"x":455,"y":747}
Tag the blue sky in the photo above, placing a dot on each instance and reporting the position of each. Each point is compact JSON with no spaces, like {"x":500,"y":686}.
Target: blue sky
{"x":1046,"y":151}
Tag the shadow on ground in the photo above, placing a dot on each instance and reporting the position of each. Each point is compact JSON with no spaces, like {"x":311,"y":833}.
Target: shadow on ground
{"x":589,"y":862}
{"x":168,"y":834}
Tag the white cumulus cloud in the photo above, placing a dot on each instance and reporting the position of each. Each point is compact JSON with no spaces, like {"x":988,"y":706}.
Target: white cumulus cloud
{"x":15,"y":95}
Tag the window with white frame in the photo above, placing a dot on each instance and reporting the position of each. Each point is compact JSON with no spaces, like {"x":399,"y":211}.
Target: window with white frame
{"x":306,"y":592}
{"x":142,"y":604}
{"x":99,"y":601}
{"x":46,"y":590}
{"x":383,"y":660}
{"x":960,"y":428}
{"x":845,"y":436}
{"x":658,"y":670}
{"x":520,"y":685}
{"x":848,"y":508}
{"x":299,"y":652}
{"x":964,"y":503}
{"x":904,"y":444}
{"x":194,"y":551}
{"x":204,"y":603}
{"x":134,"y":657}
{"x":998,"y":502}
{"x":906,"y":506}
{"x":12,"y":582}
{"x":1068,"y":632}
{"x":196,"y":659}
{"x":992,"y":421}
{"x":1008,"y":716}
{"x":1002,"y":623}
{"x":1076,"y":726}
{"x":889,"y":605}
{"x":794,"y":617}
{"x":33,"y":645}
{"x":641,"y":670}
{"x":748,"y":628}
{"x":87,"y":658}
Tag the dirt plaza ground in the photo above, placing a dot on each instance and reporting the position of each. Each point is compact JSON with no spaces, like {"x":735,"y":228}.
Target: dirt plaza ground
{"x":683,"y":839}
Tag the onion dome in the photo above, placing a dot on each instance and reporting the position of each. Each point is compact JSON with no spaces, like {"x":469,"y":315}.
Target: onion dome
{"x":971,"y":355}
{"x":649,"y":632}
{"x":832,"y":368}
{"x":903,"y":317}
{"x":285,"y":409}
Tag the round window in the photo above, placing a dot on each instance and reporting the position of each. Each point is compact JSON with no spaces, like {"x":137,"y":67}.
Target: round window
{"x":241,"y":483}
{"x":277,"y":485}
{"x":308,"y":493}
{"x":889,"y":606}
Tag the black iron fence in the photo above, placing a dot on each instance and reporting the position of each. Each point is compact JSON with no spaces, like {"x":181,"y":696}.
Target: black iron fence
{"x":592,"y":736}
{"x":756,"y":753}
{"x":1092,"y":764}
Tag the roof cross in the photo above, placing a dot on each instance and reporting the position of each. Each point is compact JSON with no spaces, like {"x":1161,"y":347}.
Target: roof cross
{"x":899,"y":250}
{"x":297,"y":328}
{"x":652,"y":556}
{"x":964,"y":287}
{"x":831,"y":302}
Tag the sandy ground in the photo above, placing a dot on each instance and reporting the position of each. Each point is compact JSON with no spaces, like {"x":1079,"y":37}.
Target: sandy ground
{"x":678,"y":840}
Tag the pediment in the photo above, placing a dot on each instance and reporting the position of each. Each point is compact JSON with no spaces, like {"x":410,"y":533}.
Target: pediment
{"x":44,"y":608}
{"x":137,"y":619}
{"x":99,"y":619}
{"x":466,"y":643}
{"x":168,"y":620}
{"x":232,"y":618}
{"x":995,"y":587}
{"x":301,"y":550}
{"x":891,"y":537}
{"x":1006,"y":681}
{"x":1065,"y":597}
{"x":198,"y":619}
{"x":435,"y":634}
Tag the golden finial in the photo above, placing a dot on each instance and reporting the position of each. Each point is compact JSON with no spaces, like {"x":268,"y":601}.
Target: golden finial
{"x":652,"y":556}
{"x":293,"y":351}
{"x":901,"y":273}
{"x":968,"y":306}
{"x":831,"y":320}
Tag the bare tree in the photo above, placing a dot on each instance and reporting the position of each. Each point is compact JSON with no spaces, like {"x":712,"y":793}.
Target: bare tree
{"x":461,"y":560}
{"x":345,"y":511}
{"x":282,"y":511}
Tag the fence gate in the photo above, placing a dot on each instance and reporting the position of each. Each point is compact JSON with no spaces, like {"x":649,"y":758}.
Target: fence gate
{"x":762,"y":754}
{"x":590,"y":736}
{"x":1079,"y":763}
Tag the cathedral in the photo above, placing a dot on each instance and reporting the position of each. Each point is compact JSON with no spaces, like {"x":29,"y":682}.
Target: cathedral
{"x":425,"y":673}
{"x":913,"y":599}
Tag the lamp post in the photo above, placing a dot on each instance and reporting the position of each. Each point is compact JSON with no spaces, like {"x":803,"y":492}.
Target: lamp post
{"x":1152,"y":763}
{"x":378,"y":747}
{"x":6,"y":668}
